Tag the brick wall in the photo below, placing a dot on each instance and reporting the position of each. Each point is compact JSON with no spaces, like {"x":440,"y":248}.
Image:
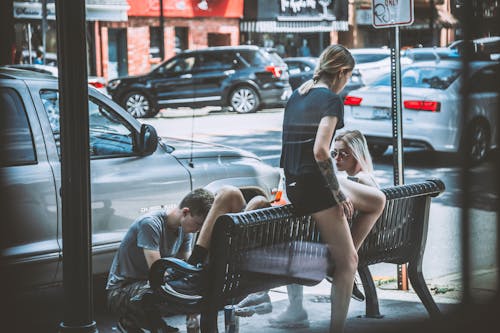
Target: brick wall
{"x":198,"y":30}
{"x":138,"y":50}
{"x":104,"y":52}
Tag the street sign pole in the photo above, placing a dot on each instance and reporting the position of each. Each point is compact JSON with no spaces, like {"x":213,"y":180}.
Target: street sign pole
{"x":393,"y":14}
{"x":397,"y":134}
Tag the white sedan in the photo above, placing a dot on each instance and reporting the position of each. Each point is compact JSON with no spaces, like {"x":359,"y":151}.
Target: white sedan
{"x":432,"y":109}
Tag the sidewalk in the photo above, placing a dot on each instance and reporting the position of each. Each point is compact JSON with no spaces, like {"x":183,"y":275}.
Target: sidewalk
{"x":399,"y":308}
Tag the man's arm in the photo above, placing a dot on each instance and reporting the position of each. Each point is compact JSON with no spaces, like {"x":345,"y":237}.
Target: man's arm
{"x":151,"y":256}
{"x":184,"y":255}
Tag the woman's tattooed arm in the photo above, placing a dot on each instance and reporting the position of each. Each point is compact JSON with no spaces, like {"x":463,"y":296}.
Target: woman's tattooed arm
{"x":326,"y":168}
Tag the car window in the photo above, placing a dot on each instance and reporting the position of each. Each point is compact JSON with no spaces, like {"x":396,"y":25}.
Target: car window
{"x":180,"y":64}
{"x":294,"y":67}
{"x":109,"y":135}
{"x":486,"y":80}
{"x":256,"y":58}
{"x":421,"y":56}
{"x":16,"y":139}
{"x":215,"y":61}
{"x":275,"y":58}
{"x":423,"y":77}
{"x":364,"y":58}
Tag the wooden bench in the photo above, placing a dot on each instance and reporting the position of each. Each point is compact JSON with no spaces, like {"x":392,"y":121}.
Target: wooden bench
{"x":399,"y":237}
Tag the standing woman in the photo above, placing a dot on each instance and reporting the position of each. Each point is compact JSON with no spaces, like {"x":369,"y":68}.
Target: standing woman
{"x":312,"y":115}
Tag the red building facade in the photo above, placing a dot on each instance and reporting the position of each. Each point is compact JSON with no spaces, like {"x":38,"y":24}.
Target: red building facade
{"x":187,"y":24}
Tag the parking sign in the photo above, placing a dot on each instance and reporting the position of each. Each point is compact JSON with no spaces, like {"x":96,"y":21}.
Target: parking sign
{"x":391,"y":13}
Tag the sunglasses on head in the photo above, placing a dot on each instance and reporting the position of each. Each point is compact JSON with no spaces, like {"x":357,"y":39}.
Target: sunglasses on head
{"x":340,"y":154}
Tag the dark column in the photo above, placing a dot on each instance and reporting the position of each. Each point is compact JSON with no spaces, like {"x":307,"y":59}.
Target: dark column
{"x":162,"y":39}
{"x":7,"y":28}
{"x":75,"y":192}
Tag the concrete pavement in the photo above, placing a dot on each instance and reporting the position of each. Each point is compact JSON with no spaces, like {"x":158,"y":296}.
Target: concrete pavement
{"x":400,"y":309}
{"x":441,"y":268}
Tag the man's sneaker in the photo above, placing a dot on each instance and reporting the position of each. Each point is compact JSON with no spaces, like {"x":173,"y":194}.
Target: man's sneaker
{"x":254,"y":299}
{"x":126,"y":326}
{"x":291,"y":318}
{"x":188,"y":287}
{"x":249,"y":311}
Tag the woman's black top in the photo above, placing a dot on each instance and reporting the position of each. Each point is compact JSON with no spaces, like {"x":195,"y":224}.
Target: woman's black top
{"x":302,"y":116}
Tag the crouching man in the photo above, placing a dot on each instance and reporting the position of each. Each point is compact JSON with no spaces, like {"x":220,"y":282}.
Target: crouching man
{"x":162,"y":234}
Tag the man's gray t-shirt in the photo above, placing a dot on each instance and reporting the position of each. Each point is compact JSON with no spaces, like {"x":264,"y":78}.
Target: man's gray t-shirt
{"x":147,"y":232}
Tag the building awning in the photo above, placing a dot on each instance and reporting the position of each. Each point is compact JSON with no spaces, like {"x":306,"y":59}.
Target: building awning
{"x":293,"y":26}
{"x":96,"y":10}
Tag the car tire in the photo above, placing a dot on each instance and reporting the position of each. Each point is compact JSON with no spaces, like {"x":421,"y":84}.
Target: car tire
{"x":377,"y":150}
{"x":139,"y":105}
{"x":476,"y":142}
{"x":244,"y":99}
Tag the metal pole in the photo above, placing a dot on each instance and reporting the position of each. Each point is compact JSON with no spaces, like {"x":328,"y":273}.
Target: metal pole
{"x":75,"y":168}
{"x":432,"y":19}
{"x":29,"y":44}
{"x":44,"y":30}
{"x":162,"y":24}
{"x":397,"y":134}
{"x":468,"y":26}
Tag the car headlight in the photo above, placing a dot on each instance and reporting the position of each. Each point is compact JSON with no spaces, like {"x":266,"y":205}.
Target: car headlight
{"x":113,"y":84}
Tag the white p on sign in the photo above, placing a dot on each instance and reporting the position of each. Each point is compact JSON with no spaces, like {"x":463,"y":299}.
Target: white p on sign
{"x":391,"y":13}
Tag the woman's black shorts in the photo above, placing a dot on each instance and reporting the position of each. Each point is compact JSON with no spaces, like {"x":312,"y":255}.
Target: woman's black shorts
{"x":309,"y":193}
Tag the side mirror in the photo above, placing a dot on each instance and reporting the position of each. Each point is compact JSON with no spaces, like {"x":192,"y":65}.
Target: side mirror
{"x":147,"y":141}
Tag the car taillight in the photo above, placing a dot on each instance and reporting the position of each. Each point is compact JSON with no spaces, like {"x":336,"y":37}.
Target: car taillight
{"x":423,"y":105}
{"x":97,"y":84}
{"x":352,"y":100}
{"x":275,"y":70}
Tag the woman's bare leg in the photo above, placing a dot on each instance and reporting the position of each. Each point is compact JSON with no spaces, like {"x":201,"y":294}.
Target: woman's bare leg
{"x":336,"y":234}
{"x":369,"y":202}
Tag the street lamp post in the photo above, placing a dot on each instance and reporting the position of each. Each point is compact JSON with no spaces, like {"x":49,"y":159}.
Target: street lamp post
{"x":162,"y":23}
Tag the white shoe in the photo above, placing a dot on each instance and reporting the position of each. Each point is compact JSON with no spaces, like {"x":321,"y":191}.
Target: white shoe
{"x":291,"y":318}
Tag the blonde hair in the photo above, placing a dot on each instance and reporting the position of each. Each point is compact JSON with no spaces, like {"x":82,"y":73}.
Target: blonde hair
{"x":356,"y":142}
{"x":333,"y":61}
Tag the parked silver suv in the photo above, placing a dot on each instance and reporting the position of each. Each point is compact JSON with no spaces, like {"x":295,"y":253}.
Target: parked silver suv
{"x":127,"y":179}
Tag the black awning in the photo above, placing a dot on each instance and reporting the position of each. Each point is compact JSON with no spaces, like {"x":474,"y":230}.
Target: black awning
{"x":293,"y":26}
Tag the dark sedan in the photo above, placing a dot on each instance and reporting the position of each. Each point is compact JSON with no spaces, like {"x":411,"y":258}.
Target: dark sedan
{"x":301,"y":69}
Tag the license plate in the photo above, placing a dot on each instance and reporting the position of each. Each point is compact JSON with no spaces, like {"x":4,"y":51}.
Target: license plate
{"x":376,"y":114}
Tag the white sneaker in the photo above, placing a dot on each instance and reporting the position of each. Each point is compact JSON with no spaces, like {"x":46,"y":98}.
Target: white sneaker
{"x":291,"y":318}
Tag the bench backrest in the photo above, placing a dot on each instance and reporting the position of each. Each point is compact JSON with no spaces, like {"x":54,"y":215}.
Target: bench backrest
{"x":398,"y":236}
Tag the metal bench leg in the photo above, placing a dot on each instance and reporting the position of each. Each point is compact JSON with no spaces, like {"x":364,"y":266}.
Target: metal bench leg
{"x":208,"y":321}
{"x":372,"y":308}
{"x":418,"y":283}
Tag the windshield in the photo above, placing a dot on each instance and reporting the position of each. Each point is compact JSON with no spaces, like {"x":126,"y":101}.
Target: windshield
{"x":423,"y":77}
{"x":364,"y":58}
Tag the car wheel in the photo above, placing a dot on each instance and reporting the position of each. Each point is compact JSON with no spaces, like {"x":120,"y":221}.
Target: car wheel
{"x":244,"y":99}
{"x":139,"y":105}
{"x":476,"y":143}
{"x":377,"y":150}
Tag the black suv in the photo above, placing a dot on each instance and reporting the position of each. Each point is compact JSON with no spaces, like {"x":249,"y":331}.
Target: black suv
{"x":244,"y":78}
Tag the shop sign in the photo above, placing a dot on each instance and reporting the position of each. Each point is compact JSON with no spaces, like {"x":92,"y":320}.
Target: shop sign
{"x":94,"y":12}
{"x":391,"y":13}
{"x":33,"y":10}
{"x":325,"y":9}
